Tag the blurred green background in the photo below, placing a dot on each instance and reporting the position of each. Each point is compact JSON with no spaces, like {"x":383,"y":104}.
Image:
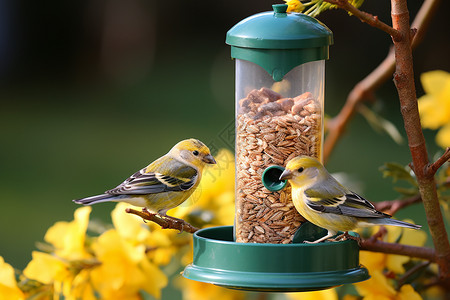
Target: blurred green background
{"x":92,"y":91}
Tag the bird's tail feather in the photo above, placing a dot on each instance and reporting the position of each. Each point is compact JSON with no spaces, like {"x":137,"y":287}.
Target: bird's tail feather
{"x":95,"y":199}
{"x":392,"y":222}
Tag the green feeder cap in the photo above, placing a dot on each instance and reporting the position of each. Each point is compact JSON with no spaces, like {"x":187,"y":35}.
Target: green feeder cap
{"x":279,"y":41}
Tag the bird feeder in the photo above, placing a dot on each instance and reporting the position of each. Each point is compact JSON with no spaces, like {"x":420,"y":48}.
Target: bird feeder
{"x":280,"y":71}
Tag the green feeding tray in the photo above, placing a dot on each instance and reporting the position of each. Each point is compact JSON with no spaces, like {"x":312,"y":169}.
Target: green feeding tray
{"x":293,"y":267}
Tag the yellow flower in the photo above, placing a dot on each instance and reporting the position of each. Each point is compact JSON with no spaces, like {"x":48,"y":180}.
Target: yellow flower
{"x":195,"y":290}
{"x":443,"y":136}
{"x":61,"y":277}
{"x":294,"y":6}
{"x":379,"y":288}
{"x":408,"y":293}
{"x":66,"y":270}
{"x":376,"y":261}
{"x":8,"y":284}
{"x":124,"y":270}
{"x":45,"y":268}
{"x":68,"y":238}
{"x":329,"y":294}
{"x":406,"y":237}
{"x":161,"y":244}
{"x":130,"y":227}
{"x":373,"y":261}
{"x":434,"y":106}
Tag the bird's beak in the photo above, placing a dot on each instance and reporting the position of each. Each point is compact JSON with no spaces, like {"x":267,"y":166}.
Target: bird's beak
{"x":209,"y":159}
{"x":287,"y":174}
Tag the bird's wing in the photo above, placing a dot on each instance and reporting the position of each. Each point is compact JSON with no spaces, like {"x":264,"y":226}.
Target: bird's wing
{"x":341,"y":202}
{"x":157,"y":179}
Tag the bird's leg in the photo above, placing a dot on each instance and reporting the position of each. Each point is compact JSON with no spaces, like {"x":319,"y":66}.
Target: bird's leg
{"x":329,"y":235}
{"x":342,"y":237}
{"x":346,"y":236}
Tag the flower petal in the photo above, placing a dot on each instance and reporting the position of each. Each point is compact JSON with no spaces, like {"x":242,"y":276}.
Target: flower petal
{"x":434,"y":81}
{"x":443,"y":136}
{"x":8,"y":284}
{"x":68,"y":237}
{"x":408,"y":293}
{"x":45,"y":268}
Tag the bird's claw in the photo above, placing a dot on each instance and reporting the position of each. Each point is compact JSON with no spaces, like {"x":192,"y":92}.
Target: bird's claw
{"x":329,"y":238}
{"x":346,"y":236}
{"x":309,"y":242}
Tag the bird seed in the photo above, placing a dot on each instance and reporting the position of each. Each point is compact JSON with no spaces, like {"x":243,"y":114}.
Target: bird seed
{"x":271,"y":130}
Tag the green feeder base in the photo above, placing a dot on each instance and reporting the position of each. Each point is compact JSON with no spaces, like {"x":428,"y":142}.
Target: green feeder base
{"x":293,"y":267}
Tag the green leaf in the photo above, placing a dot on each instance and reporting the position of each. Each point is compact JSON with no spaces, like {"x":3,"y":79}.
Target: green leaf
{"x":397,"y":240}
{"x":407,"y":192}
{"x":44,"y":247}
{"x":380,"y":124}
{"x":397,"y":172}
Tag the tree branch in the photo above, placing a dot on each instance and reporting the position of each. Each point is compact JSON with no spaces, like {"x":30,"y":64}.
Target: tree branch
{"x":408,"y":274}
{"x":395,"y":205}
{"x":432,"y":168}
{"x":364,"y":89}
{"x":164,"y":222}
{"x":400,"y":249}
{"x":366,"y":18}
{"x":404,"y":82}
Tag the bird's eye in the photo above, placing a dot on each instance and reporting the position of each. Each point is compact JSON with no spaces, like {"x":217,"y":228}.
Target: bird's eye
{"x":195,"y":152}
{"x":300,"y":169}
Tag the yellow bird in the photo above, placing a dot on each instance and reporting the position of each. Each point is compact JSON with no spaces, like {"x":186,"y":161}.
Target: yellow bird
{"x":323,"y":201}
{"x":165,"y":183}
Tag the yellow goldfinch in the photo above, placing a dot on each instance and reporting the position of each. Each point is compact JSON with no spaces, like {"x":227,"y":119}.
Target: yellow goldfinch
{"x":323,"y":201}
{"x":165,"y":183}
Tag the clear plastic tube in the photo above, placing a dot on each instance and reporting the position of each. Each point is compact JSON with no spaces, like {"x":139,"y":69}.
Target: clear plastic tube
{"x":275,"y":121}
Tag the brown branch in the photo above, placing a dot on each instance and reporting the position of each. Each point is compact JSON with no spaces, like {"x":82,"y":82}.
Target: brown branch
{"x":417,"y":268}
{"x":432,"y":168}
{"x":395,"y":205}
{"x":404,"y":82}
{"x":400,"y":249}
{"x":366,"y":18}
{"x":164,"y":222}
{"x":364,"y":89}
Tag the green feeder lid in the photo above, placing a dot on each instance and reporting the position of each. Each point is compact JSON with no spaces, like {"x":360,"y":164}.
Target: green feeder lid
{"x":279,"y":41}
{"x":274,"y":267}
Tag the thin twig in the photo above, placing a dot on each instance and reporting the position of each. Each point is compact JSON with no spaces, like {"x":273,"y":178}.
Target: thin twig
{"x":367,"y":18}
{"x":432,"y":168}
{"x":402,"y":280}
{"x":395,"y":205}
{"x":365,"y":89}
{"x":165,"y":223}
